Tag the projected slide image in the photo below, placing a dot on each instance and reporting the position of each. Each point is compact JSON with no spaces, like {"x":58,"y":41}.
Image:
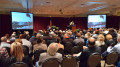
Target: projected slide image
{"x":22,"y":20}
{"x":96,"y":21}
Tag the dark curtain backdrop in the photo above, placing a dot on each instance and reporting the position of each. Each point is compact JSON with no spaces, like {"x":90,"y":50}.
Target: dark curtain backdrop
{"x":41,"y":23}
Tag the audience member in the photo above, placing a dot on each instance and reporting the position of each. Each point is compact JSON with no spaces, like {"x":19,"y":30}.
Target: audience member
{"x":87,"y":52}
{"x":17,"y":55}
{"x":39,"y":45}
{"x":26,"y":42}
{"x":78,"y":39}
{"x":51,"y":53}
{"x":4,"y":42}
{"x":100,"y":40}
{"x":59,"y":44}
{"x":109,"y":40}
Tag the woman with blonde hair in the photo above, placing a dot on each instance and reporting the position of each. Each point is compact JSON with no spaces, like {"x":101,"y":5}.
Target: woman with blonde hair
{"x":100,"y":40}
{"x":17,"y":54}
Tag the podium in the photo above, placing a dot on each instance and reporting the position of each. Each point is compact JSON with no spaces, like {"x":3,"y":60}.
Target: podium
{"x":73,"y":28}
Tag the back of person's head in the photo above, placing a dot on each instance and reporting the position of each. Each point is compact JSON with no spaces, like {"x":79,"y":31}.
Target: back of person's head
{"x":96,"y":32}
{"x":18,"y":40}
{"x":52,"y":49}
{"x":118,"y":38}
{"x":66,"y":36}
{"x":13,"y":35}
{"x":88,"y":35}
{"x":78,"y":34}
{"x":39,"y":40}
{"x":17,"y":51}
{"x":3,"y":39}
{"x":24,"y":36}
{"x":38,"y":35}
{"x":100,"y":38}
{"x":108,"y":37}
{"x":91,"y":41}
{"x":34,"y":33}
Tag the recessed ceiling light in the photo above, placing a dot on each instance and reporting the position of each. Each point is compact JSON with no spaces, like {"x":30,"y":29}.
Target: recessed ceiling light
{"x":82,"y":4}
{"x":47,"y":2}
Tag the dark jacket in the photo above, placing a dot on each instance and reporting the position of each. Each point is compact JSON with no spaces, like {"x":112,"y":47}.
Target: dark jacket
{"x":86,"y":53}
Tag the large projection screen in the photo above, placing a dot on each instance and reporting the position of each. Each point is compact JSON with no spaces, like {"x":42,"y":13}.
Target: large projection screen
{"x":96,"y":21}
{"x":22,"y":20}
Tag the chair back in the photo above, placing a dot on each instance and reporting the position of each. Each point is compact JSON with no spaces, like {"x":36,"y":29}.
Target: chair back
{"x":1,"y":61}
{"x":103,"y":48}
{"x":37,"y":54}
{"x":94,"y":60}
{"x":69,"y":62}
{"x":111,"y":58}
{"x":52,"y":62}
{"x":75,"y":50}
{"x":19,"y":64}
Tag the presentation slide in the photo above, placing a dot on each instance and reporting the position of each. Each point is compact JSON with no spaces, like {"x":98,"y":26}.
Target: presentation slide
{"x":96,"y":21}
{"x":22,"y":20}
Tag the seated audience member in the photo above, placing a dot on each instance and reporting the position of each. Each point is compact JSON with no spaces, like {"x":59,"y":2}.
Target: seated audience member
{"x":17,"y":55}
{"x":116,"y":48}
{"x":59,"y":44}
{"x":3,"y":52}
{"x":3,"y":57}
{"x":51,"y":53}
{"x":66,"y":39}
{"x":87,"y":36}
{"x":78,"y":39}
{"x":111,"y":49}
{"x":13,"y":38}
{"x":95,"y":35}
{"x":27,"y":34}
{"x":40,"y":45}
{"x":100,"y":40}
{"x":26,"y":42}
{"x":4,"y":42}
{"x":51,"y":38}
{"x":33,"y":39}
{"x":8,"y":38}
{"x":109,"y":40}
{"x":87,"y":52}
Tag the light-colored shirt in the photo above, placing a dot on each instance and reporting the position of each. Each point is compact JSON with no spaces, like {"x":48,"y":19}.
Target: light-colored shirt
{"x":116,"y":48}
{"x":4,"y":44}
{"x":28,"y":44}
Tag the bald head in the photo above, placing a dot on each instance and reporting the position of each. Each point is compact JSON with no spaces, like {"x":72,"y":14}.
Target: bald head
{"x":3,"y":39}
{"x":91,"y":41}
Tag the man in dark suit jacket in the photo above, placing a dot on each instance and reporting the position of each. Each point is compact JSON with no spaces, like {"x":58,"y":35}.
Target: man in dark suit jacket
{"x":87,"y":52}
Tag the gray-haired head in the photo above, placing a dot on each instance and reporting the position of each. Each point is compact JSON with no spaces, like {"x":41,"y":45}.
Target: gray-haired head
{"x":52,"y":49}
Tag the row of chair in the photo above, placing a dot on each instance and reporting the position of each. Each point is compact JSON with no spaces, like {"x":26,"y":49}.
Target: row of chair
{"x":70,"y":61}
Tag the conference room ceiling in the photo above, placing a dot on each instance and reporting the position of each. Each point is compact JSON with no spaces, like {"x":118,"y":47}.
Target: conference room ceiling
{"x":61,"y":7}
